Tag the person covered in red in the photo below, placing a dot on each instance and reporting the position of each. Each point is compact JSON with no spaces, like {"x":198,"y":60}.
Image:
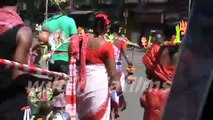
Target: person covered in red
{"x":95,"y":72}
{"x":160,"y":62}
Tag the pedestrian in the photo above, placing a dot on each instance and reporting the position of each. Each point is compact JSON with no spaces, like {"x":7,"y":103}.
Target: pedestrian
{"x":15,"y":45}
{"x":119,"y":45}
{"x":160,"y":62}
{"x":62,"y":26}
{"x":96,"y":70}
{"x":60,"y":21}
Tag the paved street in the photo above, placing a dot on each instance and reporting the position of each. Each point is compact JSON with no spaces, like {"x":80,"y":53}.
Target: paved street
{"x":134,"y":91}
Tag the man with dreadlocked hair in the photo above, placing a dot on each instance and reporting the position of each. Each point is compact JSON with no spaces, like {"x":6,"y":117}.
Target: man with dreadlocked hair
{"x":96,"y":71}
{"x":160,"y":62}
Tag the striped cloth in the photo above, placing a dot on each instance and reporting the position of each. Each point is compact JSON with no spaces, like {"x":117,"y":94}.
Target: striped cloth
{"x":71,"y":89}
{"x":31,"y":69}
{"x":77,"y":49}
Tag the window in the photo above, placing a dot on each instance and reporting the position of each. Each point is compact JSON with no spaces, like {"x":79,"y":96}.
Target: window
{"x":81,"y":3}
{"x":106,"y":2}
{"x":131,"y":1}
{"x":156,"y":1}
{"x":146,"y":1}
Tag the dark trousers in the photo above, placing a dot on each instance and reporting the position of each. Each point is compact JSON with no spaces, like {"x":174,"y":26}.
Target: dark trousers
{"x":12,"y":99}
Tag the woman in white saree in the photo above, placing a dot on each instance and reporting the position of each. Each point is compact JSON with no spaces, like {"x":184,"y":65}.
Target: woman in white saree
{"x":94,"y":73}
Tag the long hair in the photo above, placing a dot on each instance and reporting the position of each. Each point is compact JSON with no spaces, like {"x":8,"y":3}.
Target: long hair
{"x":169,"y":29}
{"x":100,"y":24}
{"x":115,"y":27}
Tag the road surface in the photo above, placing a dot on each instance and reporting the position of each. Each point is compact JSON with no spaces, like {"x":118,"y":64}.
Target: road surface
{"x":134,"y":91}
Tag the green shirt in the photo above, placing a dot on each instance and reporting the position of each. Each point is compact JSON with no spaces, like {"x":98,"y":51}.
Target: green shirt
{"x":67,"y":25}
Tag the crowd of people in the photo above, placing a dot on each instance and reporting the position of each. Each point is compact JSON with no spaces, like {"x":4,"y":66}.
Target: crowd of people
{"x":94,"y":55}
{"x":92,"y":59}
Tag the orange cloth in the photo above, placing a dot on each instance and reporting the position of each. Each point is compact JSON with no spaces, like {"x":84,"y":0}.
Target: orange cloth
{"x":154,"y":99}
{"x":161,"y":72}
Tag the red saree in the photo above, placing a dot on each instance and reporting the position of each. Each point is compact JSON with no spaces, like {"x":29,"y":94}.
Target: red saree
{"x":160,"y":72}
{"x":154,"y":99}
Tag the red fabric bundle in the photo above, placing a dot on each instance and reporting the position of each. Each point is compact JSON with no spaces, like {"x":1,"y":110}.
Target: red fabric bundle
{"x":151,"y":61}
{"x":154,"y":99}
{"x":154,"y":102}
{"x":77,"y":49}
